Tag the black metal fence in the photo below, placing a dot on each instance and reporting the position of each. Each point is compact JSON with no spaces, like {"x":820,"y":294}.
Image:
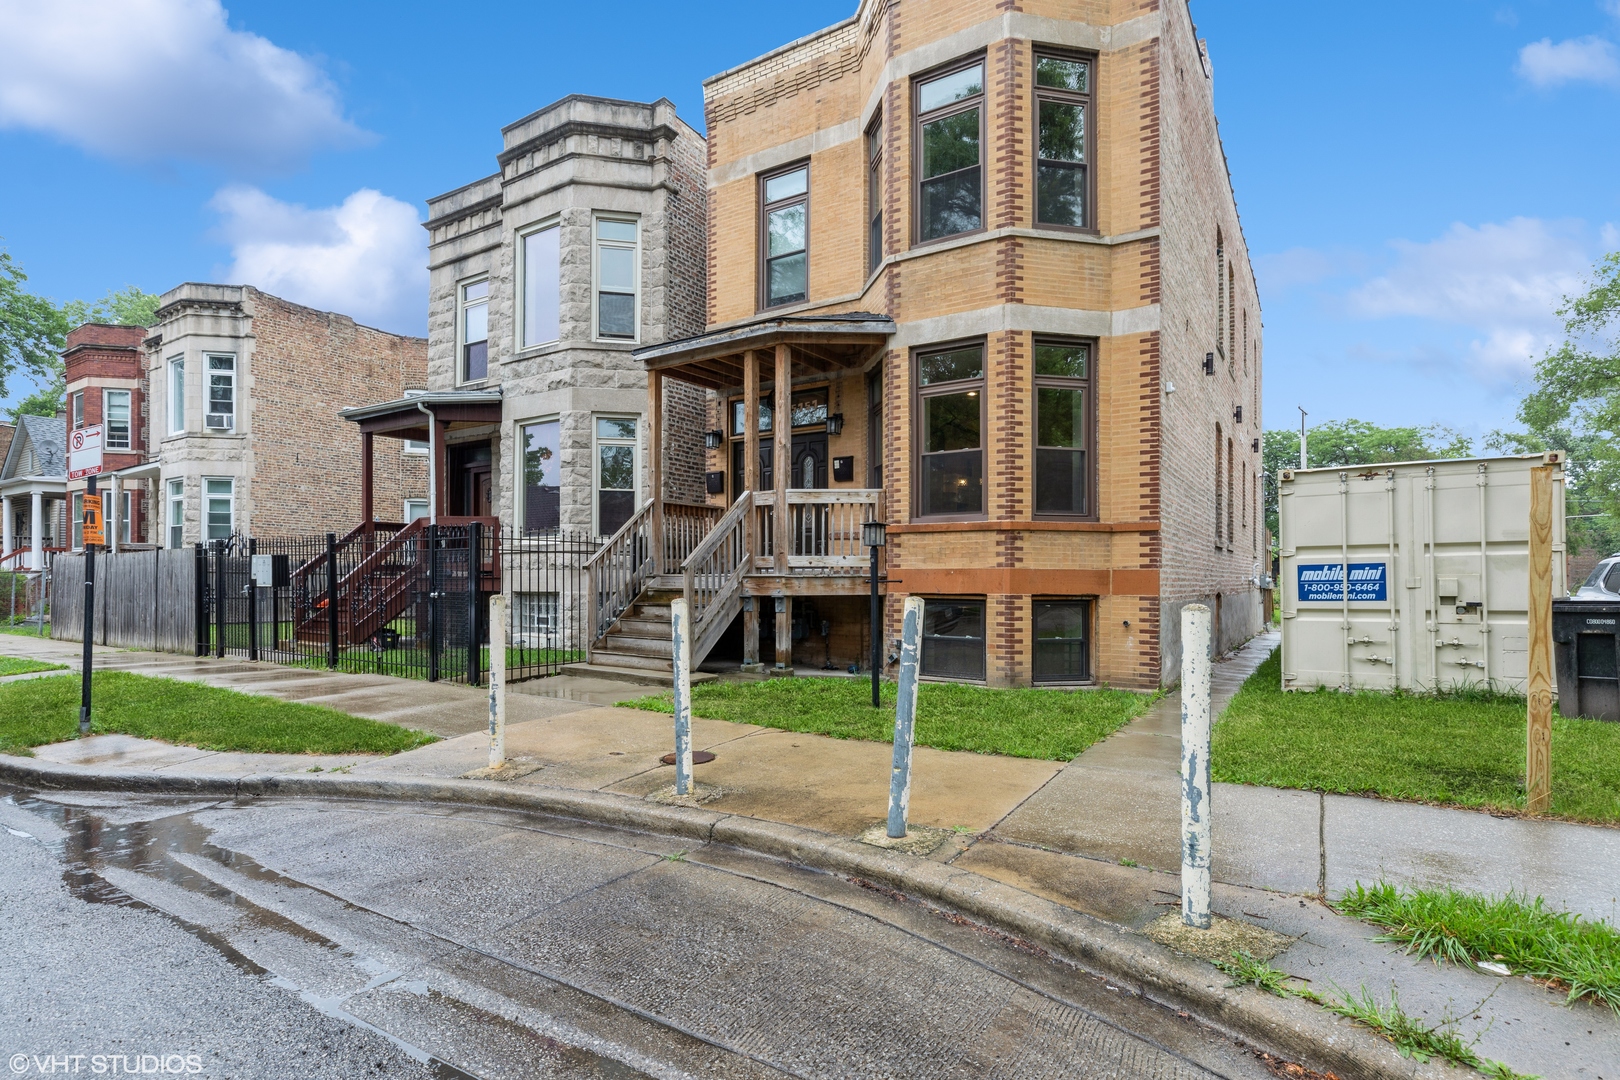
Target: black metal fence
{"x":409,"y":600}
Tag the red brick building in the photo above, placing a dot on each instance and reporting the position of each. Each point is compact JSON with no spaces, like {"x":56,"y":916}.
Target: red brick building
{"x":105,"y":377}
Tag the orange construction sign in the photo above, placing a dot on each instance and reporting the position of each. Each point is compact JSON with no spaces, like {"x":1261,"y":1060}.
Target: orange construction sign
{"x":93,"y":531}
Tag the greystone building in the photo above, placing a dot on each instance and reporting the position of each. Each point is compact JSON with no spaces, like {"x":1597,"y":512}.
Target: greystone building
{"x":586,"y":243}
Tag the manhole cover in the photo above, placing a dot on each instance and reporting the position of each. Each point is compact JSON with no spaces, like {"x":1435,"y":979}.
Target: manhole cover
{"x":699,"y":757}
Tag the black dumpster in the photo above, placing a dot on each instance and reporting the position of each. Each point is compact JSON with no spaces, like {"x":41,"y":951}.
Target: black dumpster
{"x":1586,"y":635}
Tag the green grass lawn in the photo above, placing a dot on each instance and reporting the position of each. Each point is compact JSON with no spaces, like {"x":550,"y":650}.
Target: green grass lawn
{"x":1464,"y":748}
{"x":17,"y":665}
{"x":1050,"y":724}
{"x":34,"y":712}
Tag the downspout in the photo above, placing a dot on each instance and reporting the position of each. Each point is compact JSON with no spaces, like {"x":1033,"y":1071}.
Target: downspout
{"x":433,"y":463}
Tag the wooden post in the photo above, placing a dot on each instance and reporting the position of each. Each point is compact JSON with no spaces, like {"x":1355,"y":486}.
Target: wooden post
{"x":1538,"y":688}
{"x":782,"y":459}
{"x":784,"y":634}
{"x":497,"y":681}
{"x":441,"y":470}
{"x":366,"y":448}
{"x":751,"y":633}
{"x":750,"y":478}
{"x":655,"y":468}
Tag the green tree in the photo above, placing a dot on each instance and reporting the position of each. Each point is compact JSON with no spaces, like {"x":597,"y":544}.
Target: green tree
{"x":1354,"y":442}
{"x":1574,"y":406}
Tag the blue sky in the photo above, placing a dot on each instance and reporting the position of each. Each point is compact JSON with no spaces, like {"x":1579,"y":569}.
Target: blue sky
{"x":1419,"y":183}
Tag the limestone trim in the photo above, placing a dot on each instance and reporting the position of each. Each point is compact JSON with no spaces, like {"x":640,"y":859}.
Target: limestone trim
{"x":1027,"y":318}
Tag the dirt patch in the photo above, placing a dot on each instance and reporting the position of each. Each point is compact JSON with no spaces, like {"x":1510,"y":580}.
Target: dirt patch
{"x":701,"y":793}
{"x":1223,"y":938}
{"x":921,"y":840}
{"x":513,"y":769}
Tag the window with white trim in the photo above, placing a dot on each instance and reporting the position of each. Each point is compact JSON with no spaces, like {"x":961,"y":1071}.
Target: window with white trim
{"x":177,"y":513}
{"x":78,"y":520}
{"x":115,"y":415}
{"x":415,"y":446}
{"x":219,"y":507}
{"x":415,"y":508}
{"x":541,"y":286}
{"x":616,"y":472}
{"x":177,"y":395}
{"x":221,"y":412}
{"x":618,"y":277}
{"x":78,"y":409}
{"x":474,"y":323}
{"x":126,"y":510}
{"x":542,"y":476}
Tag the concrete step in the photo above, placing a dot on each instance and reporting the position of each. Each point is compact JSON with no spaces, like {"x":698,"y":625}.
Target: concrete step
{"x":631,"y":645}
{"x":607,"y":654}
{"x":638,"y":676}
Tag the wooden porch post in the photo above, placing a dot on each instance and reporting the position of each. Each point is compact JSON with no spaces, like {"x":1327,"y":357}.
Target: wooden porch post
{"x":441,"y":466}
{"x":784,"y":633}
{"x":750,"y":421}
{"x":782,"y":462}
{"x":366,"y":448}
{"x":655,"y":468}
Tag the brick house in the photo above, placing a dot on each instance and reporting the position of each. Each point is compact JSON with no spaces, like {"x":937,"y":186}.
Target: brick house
{"x":545,"y":275}
{"x":985,"y":259}
{"x":241,"y":393}
{"x":104,"y":368}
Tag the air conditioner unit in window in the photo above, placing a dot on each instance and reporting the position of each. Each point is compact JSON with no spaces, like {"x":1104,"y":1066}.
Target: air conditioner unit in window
{"x":219,"y":421}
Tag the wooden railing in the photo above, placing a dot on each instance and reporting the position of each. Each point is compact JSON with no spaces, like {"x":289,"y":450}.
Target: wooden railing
{"x":685,"y":526}
{"x":618,"y":572}
{"x":18,"y":553}
{"x":712,"y":576}
{"x":821,"y":531}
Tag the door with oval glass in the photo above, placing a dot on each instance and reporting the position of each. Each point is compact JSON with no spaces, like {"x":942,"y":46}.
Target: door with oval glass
{"x":809,"y":520}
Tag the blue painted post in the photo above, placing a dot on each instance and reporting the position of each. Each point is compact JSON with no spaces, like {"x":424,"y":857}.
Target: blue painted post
{"x":680,"y":631}
{"x":1196,"y":654}
{"x":497,"y":680}
{"x":905,"y":718}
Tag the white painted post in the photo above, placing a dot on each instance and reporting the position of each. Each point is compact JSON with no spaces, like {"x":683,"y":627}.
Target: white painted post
{"x":1195,"y":724}
{"x":680,"y":627}
{"x":36,"y":529}
{"x":497,"y":680}
{"x":5,"y":516}
{"x":905,"y":718}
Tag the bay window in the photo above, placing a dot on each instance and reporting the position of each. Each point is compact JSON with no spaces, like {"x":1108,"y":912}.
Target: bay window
{"x":542,"y":287}
{"x":1062,"y":429}
{"x":949,"y":132}
{"x":615,"y":473}
{"x":221,"y":414}
{"x":874,"y":194}
{"x":785,"y":246}
{"x":219,"y":507}
{"x":177,"y":513}
{"x":115,"y":414}
{"x":177,"y":395}
{"x":950,"y":408}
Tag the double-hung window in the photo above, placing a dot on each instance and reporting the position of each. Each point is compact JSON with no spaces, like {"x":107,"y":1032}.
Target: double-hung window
{"x":953,"y":639}
{"x":219,"y":506}
{"x":618,"y":270}
{"x":1062,"y":428}
{"x":874,"y":194}
{"x":1063,"y":107}
{"x":542,"y":286}
{"x":785,"y":199}
{"x":177,"y":513}
{"x":177,"y":395}
{"x":474,"y":322}
{"x":78,"y":520}
{"x":126,"y":511}
{"x":542,"y":474}
{"x":78,"y":409}
{"x":615,"y":473}
{"x":115,"y":413}
{"x":950,"y":130}
{"x":950,"y":390}
{"x":221,"y":392}
{"x":1062,"y":641}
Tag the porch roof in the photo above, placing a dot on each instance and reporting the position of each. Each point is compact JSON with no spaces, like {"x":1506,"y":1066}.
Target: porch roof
{"x":817,"y":344}
{"x":404,"y":419}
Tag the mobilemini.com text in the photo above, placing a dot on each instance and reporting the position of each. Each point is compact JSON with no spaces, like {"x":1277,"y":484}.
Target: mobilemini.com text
{"x":106,"y":1064}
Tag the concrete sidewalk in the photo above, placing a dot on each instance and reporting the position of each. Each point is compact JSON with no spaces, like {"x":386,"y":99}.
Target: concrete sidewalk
{"x":1099,"y":835}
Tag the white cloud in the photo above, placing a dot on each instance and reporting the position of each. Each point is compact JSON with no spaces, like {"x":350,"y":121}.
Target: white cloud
{"x":1499,"y":283}
{"x":366,"y":257}
{"x":158,"y":80}
{"x":1587,"y":59}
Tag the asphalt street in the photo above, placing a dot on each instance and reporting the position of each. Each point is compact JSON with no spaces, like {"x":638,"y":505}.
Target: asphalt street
{"x":281,"y":938}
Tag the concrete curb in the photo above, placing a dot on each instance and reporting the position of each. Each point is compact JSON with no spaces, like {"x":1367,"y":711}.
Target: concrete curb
{"x":1289,"y":1027}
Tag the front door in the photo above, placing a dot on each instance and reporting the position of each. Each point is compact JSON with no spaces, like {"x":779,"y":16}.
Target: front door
{"x":767,"y":480}
{"x":809,"y":460}
{"x":481,"y":491}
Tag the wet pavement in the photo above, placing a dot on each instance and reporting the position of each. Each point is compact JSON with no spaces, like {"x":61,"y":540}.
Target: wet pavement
{"x":327,"y":938}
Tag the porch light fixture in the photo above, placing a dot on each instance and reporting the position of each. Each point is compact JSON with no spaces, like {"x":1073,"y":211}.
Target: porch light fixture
{"x":1209,"y":363}
{"x":713,"y":440}
{"x":1254,"y":447}
{"x":835,"y":423}
{"x":875,"y":534}
{"x":1237,"y":414}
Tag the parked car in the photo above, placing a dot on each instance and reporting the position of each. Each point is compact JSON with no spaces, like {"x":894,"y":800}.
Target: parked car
{"x":1603,"y":583}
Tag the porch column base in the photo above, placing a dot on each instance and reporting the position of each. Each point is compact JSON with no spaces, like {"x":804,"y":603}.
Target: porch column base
{"x":751,"y":669}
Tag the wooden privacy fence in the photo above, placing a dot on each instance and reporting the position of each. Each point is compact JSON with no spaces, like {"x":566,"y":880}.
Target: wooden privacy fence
{"x":144,"y":600}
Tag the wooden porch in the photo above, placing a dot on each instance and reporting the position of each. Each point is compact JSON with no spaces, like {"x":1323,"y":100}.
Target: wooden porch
{"x":781,"y":541}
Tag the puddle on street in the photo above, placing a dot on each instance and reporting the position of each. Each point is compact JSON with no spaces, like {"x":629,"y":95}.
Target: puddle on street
{"x":147,"y":846}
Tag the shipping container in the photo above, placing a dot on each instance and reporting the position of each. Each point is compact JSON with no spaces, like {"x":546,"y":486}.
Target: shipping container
{"x":1412,"y":575}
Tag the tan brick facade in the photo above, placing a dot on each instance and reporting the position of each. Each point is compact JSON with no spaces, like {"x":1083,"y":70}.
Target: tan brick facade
{"x":1139,"y":285}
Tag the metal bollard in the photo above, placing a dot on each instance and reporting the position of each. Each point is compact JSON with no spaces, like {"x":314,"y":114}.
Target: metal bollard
{"x":905,"y":718}
{"x":1196,"y":654}
{"x":497,"y":680}
{"x":680,"y":627}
